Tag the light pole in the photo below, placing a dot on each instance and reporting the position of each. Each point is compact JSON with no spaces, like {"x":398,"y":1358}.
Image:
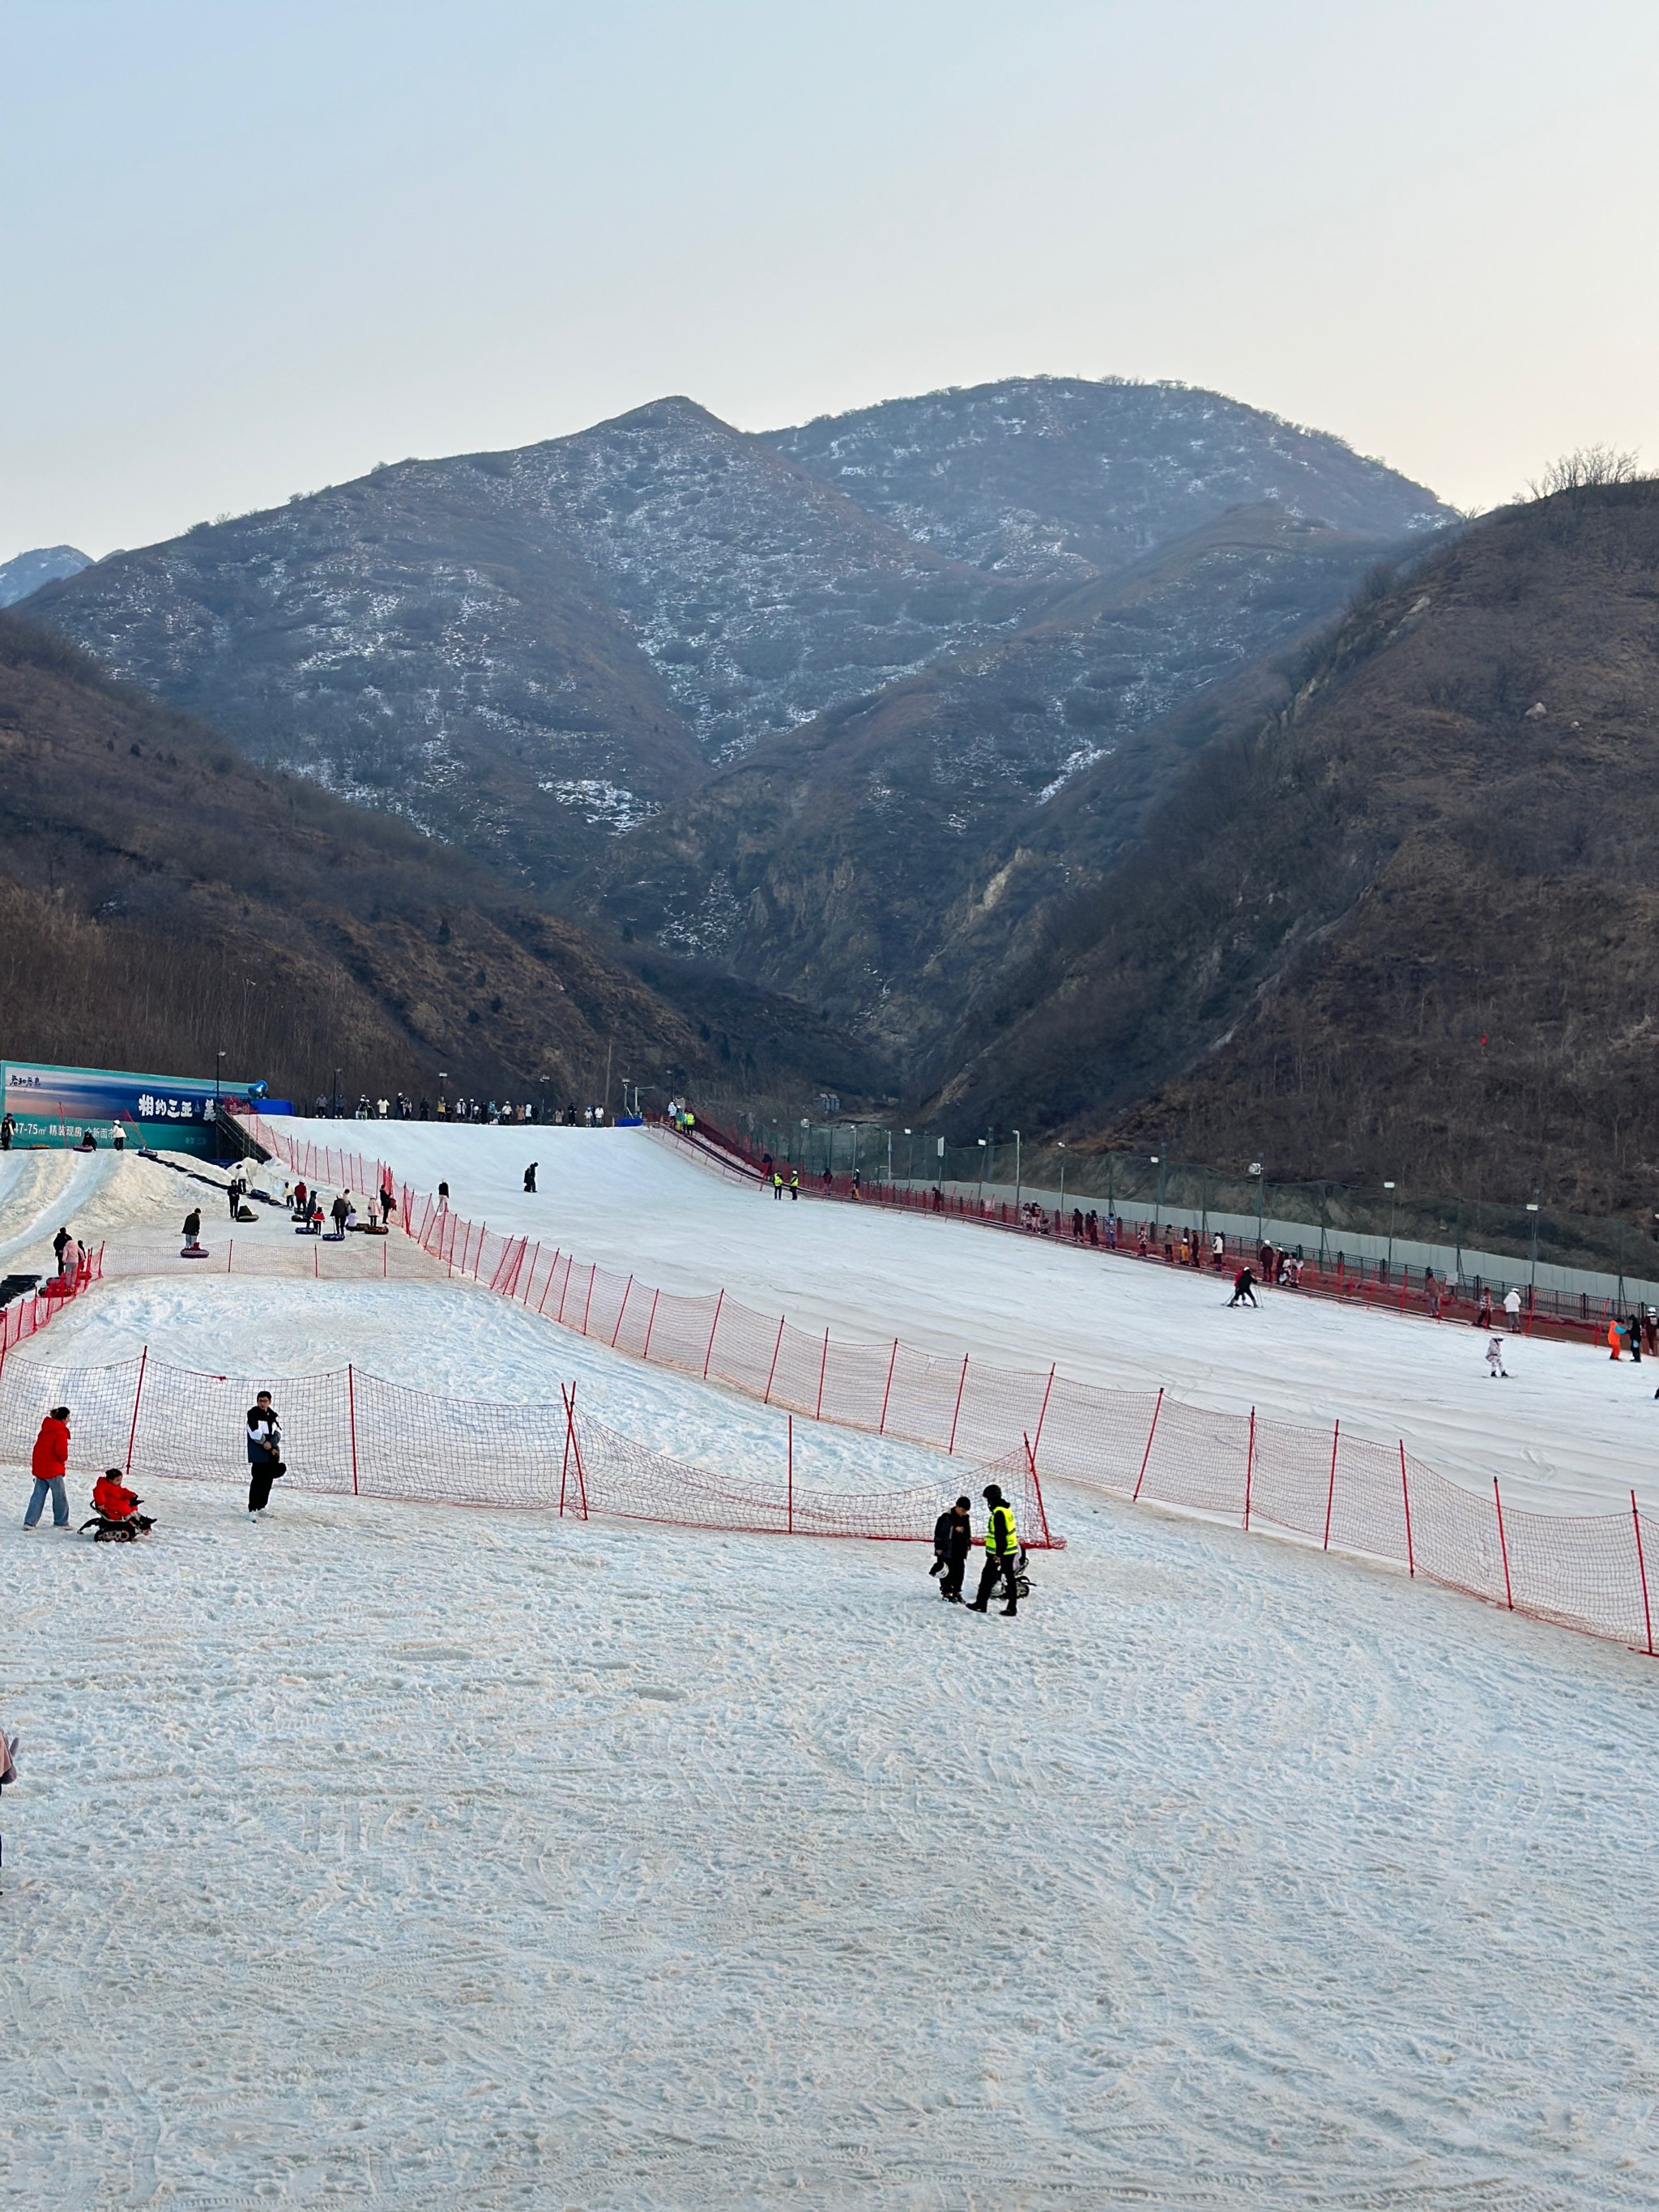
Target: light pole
{"x":910,"y":1158}
{"x":890,"y":1156}
{"x":1062,"y":1176}
{"x":984,"y":1145}
{"x":218,"y":1070}
{"x":1261,"y":1197}
{"x":1158,"y":1203}
{"x":1532,"y":1287}
{"x":1016,"y":1172}
{"x":1393,"y":1202}
{"x":337,"y":1094}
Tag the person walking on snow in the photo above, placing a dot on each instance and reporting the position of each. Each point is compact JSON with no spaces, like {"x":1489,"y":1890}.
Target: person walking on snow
{"x":530,"y":1176}
{"x":1243,"y":1288}
{"x":265,"y":1452}
{"x":1495,"y":1359}
{"x":1001,"y":1550}
{"x":49,"y":1466}
{"x":777,"y":1185}
{"x":1512,"y":1307}
{"x":953,"y":1537}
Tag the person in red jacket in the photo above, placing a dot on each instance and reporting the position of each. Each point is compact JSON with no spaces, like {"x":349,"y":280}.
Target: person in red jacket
{"x":49,"y":1466}
{"x":112,"y":1498}
{"x":117,"y":1509}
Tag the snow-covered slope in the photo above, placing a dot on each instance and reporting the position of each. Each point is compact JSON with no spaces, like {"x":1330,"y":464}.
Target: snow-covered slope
{"x":1568,"y":1430}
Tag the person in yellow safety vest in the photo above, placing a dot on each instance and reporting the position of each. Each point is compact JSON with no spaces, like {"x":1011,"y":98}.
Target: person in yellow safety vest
{"x":1001,"y":1550}
{"x":794,"y":1185}
{"x":777,"y":1184}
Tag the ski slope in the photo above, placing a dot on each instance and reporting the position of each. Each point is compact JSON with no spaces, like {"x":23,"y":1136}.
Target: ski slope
{"x":1570,"y":1430}
{"x":381,"y":1854}
{"x":389,"y":1854}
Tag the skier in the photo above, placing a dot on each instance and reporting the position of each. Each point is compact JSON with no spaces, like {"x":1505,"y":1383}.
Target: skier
{"x":49,"y":1465}
{"x":1495,"y":1359}
{"x":953,"y":1537}
{"x":530,"y":1176}
{"x":1243,"y":1287}
{"x":1001,"y":1550}
{"x":264,"y":1447}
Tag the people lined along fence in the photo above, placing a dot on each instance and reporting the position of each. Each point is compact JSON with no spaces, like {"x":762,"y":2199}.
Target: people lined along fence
{"x":26,"y":1316}
{"x":1572,"y":1316}
{"x":1336,"y":1491}
{"x":350,"y":1433}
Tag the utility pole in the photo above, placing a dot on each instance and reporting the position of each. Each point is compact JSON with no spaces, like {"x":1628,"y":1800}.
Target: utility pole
{"x":1393,"y":1202}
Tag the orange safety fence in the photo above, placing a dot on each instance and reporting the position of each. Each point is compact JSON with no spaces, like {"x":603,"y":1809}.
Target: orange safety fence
{"x":1340,"y":1492}
{"x":26,"y":1316}
{"x":349,"y":1432}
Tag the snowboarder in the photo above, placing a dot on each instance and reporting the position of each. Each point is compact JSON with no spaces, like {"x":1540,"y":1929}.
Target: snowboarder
{"x":1001,"y":1551}
{"x":530,"y":1176}
{"x":953,"y":1537}
{"x":1495,"y":1359}
{"x":49,"y":1466}
{"x":264,"y":1447}
{"x":1243,"y":1288}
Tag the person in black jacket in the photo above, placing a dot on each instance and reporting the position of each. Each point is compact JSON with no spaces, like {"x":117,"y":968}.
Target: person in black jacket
{"x":265,"y":1452}
{"x":953,"y":1536}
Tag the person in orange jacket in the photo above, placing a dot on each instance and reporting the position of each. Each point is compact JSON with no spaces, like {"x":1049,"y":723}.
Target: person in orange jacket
{"x":49,"y":1465}
{"x":1615,"y":1339}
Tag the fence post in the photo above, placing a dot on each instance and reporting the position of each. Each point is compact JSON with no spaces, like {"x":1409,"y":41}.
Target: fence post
{"x":1036,"y":1486}
{"x":564,"y":1292}
{"x":1249,"y":1465}
{"x":351,"y":1414}
{"x":552,"y":1270}
{"x":1146,"y":1455}
{"x":1642,"y":1569}
{"x":791,"y":1475}
{"x":229,"y":1249}
{"x":1043,"y":1415}
{"x":713,"y":1326}
{"x":824,"y":1369}
{"x":776,"y":1348}
{"x":962,"y":1384}
{"x":569,"y":1432}
{"x":1410,"y":1556}
{"x":1503,"y":1545}
{"x":1330,"y":1495}
{"x":650,"y":1324}
{"x":881,"y":1430}
{"x":617,"y":1332}
{"x":588,"y":1303}
{"x":138,"y":1396}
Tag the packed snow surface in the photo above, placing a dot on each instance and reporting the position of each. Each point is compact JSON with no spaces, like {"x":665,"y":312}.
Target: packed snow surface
{"x":1569,"y":1429}
{"x":396,"y":1855}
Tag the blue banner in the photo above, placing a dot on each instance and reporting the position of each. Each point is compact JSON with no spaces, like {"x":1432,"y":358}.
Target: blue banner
{"x":56,"y":1106}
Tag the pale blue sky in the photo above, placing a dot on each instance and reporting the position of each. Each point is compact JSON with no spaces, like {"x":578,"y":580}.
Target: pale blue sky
{"x":254,"y":248}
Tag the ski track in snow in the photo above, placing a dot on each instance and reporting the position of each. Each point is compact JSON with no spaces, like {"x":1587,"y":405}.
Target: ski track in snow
{"x":396,"y":1855}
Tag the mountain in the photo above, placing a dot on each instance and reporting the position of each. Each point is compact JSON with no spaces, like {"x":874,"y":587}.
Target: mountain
{"x":27,"y":572}
{"x":531,"y":654}
{"x":1403,"y":925}
{"x":1067,"y":478}
{"x":526,"y":653}
{"x":890,"y":861}
{"x":163,"y":899}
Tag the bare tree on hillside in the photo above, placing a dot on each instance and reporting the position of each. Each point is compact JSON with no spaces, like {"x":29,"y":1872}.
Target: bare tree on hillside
{"x":1585,"y":466}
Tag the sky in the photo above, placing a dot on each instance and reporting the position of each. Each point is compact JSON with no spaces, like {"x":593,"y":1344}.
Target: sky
{"x":255,"y":249}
